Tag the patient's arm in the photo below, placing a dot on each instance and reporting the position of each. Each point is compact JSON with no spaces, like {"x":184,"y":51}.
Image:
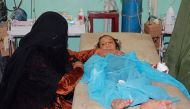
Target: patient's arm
{"x":84,"y":55}
{"x":104,"y":52}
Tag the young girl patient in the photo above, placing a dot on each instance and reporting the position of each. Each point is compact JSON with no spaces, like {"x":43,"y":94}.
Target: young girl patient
{"x":108,"y":42}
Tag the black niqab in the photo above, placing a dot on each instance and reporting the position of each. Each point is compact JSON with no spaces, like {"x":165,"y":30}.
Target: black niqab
{"x":49,"y":34}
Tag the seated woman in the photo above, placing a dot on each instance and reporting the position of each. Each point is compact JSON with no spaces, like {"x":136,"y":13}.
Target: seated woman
{"x":40,"y":74}
{"x":106,"y":86}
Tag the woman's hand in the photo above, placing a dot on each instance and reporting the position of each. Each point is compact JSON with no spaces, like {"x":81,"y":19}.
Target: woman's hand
{"x":120,"y":103}
{"x":78,"y":64}
{"x":104,"y":52}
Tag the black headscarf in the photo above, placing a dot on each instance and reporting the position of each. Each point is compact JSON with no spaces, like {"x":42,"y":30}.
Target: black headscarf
{"x":49,"y":34}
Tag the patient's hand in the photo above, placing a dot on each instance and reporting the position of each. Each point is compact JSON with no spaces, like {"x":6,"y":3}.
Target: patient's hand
{"x":157,"y":104}
{"x":78,"y":64}
{"x":120,"y":103}
{"x":104,"y":52}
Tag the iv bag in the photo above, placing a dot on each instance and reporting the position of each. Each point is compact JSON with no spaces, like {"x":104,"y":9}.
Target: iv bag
{"x":170,"y":20}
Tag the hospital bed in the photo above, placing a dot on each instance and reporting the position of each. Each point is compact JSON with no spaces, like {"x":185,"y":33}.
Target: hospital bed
{"x":143,"y":45}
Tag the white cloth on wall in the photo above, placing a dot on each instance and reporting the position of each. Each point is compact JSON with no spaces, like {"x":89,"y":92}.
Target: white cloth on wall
{"x":109,"y":5}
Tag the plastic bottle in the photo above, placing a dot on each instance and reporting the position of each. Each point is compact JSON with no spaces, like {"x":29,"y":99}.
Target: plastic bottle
{"x":81,"y":16}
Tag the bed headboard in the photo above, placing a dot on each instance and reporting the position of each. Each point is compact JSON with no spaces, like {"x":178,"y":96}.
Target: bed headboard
{"x":142,"y":44}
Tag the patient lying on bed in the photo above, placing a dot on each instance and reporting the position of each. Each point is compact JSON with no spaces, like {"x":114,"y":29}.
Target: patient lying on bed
{"x":108,"y":87}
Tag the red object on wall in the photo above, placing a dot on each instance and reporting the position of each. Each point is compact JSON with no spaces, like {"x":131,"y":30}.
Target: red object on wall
{"x":114,"y":16}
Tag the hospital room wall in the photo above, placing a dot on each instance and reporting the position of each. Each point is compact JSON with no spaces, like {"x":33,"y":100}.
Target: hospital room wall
{"x":72,"y":7}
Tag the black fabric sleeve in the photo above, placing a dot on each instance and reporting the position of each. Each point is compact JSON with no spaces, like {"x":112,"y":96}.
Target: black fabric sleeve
{"x":38,"y":85}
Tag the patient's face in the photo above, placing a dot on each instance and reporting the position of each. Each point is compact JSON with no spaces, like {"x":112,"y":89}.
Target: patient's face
{"x":107,"y":42}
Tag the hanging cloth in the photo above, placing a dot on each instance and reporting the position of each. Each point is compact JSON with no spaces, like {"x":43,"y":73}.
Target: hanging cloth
{"x":178,"y":52}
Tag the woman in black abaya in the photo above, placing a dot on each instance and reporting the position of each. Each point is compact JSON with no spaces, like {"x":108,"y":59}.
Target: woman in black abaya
{"x":32,"y":74}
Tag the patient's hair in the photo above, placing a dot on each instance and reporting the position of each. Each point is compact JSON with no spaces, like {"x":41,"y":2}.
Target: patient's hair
{"x":117,"y":42}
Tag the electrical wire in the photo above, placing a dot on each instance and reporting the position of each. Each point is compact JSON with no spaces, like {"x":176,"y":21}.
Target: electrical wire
{"x":15,"y":6}
{"x":31,"y":8}
{"x":3,"y":9}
